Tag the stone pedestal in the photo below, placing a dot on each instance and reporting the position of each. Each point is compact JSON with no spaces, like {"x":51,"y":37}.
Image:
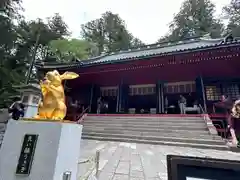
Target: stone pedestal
{"x":57,"y":150}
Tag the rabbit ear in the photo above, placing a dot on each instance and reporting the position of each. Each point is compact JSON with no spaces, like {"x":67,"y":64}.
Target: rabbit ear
{"x":69,"y":75}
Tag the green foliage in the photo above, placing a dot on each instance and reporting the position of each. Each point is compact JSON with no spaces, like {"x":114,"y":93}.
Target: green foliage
{"x":135,"y":42}
{"x":195,"y":18}
{"x":109,"y":33}
{"x":66,"y":50}
{"x":18,"y":45}
{"x":9,"y":8}
{"x":57,"y":26}
{"x":232,"y":12}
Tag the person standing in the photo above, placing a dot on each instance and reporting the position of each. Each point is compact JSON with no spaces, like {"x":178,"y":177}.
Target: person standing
{"x":105,"y":106}
{"x":99,"y":105}
{"x":166,"y":105}
{"x":17,"y":110}
{"x":182,"y":104}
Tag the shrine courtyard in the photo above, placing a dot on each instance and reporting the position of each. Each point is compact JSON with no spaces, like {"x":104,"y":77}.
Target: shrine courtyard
{"x":132,"y":161}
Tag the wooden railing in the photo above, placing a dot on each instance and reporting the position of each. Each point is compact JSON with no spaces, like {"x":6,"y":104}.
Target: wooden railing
{"x":213,"y":122}
{"x":81,"y":117}
{"x":223,"y":124}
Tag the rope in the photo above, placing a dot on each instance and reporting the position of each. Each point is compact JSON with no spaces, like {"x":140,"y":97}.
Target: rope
{"x":94,"y":166}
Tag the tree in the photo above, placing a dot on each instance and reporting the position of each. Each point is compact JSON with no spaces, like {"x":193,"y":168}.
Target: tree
{"x":232,"y":11}
{"x":29,"y":32}
{"x":136,"y":42}
{"x":195,"y":18}
{"x":9,"y":69}
{"x":18,"y":44}
{"x":109,"y":33}
{"x":9,"y":8}
{"x":68,"y":50}
{"x":94,"y":31}
{"x":57,"y":26}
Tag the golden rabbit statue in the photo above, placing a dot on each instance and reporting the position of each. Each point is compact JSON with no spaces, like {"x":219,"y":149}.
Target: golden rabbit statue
{"x":53,"y":104}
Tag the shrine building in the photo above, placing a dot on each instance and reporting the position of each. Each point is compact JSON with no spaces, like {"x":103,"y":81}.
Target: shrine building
{"x":150,"y":79}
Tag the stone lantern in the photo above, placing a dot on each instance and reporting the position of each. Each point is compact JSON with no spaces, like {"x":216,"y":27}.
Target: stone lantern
{"x":31,"y":95}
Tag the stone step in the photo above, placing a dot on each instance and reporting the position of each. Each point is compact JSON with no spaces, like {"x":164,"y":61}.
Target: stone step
{"x":137,"y":133}
{"x":144,"y":129}
{"x":160,"y":138}
{"x":168,"y":143}
{"x":173,"y":127}
{"x":198,"y":124}
{"x":144,"y":118}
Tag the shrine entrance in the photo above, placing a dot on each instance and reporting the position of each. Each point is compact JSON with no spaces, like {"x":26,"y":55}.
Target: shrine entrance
{"x":142,"y":99}
{"x":109,"y":98}
{"x":172,"y":92}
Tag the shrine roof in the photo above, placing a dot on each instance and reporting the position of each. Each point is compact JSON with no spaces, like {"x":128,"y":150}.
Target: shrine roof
{"x":30,"y":87}
{"x":153,"y":50}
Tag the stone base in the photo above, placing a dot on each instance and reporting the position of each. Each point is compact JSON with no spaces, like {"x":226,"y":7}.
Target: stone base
{"x":57,"y":150}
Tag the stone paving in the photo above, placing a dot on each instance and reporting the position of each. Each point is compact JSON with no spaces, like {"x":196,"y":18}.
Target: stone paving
{"x":131,"y":161}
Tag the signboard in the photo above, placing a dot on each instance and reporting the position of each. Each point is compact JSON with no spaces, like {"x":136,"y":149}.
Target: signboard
{"x":27,"y":154}
{"x":202,"y":168}
{"x":191,"y":178}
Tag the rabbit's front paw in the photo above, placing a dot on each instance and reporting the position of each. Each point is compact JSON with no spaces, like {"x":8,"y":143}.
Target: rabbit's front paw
{"x":56,"y":118}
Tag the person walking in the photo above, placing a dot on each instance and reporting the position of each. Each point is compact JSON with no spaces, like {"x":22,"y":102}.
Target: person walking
{"x":182,"y":104}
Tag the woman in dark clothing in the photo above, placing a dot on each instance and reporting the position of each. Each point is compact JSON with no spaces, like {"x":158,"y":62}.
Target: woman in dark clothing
{"x":17,"y":110}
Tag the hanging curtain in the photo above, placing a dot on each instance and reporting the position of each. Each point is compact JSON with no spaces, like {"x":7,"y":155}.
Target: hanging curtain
{"x":199,"y":90}
{"x":124,"y":98}
{"x":122,"y":101}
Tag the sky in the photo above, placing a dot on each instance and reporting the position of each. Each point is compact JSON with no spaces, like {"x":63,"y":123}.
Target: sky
{"x":147,"y":20}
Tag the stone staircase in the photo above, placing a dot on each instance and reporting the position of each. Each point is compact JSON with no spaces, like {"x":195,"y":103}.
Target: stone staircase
{"x":165,"y":130}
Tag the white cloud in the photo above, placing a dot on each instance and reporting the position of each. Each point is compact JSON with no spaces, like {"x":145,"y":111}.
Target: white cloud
{"x":146,"y":19}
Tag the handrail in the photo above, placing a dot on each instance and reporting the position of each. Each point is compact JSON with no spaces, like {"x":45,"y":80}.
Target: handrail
{"x":220,"y":127}
{"x":81,"y":116}
{"x":201,"y":108}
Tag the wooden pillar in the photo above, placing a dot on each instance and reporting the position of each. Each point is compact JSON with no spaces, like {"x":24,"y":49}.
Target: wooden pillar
{"x":201,"y":94}
{"x":118,"y":106}
{"x":160,"y":96}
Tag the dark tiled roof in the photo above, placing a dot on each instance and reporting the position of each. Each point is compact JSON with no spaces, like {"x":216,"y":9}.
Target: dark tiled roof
{"x":146,"y":51}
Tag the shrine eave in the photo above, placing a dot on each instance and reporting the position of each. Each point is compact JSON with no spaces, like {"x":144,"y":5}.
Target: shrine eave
{"x":158,"y":50}
{"x":27,"y":87}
